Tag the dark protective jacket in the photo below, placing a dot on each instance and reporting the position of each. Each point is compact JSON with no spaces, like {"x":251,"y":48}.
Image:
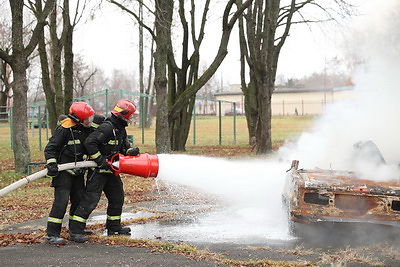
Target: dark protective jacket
{"x":66,"y":144}
{"x":109,"y":138}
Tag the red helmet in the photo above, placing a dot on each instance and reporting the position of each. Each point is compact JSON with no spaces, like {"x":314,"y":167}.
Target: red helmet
{"x":80,"y":111}
{"x":124,"y":109}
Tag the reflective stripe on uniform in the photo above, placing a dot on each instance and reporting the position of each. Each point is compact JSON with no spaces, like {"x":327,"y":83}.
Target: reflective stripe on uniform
{"x":95,"y":155}
{"x":113,"y":142}
{"x":94,"y":125}
{"x":52,"y":160}
{"x":74,"y":142}
{"x":113,"y":218}
{"x":78,"y":219}
{"x":54,"y":220}
{"x":104,"y":171}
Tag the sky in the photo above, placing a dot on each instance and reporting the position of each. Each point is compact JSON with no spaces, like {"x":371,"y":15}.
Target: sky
{"x":110,"y":42}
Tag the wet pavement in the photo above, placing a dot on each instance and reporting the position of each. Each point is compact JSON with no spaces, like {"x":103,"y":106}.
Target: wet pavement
{"x":239,"y":234}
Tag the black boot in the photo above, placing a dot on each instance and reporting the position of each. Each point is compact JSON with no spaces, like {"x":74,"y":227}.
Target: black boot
{"x":76,"y":231}
{"x":121,"y":231}
{"x":114,"y":227}
{"x":75,"y":228}
{"x":78,"y":238}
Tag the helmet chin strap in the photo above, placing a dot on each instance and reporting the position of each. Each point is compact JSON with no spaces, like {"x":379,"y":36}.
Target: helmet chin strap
{"x":74,"y":117}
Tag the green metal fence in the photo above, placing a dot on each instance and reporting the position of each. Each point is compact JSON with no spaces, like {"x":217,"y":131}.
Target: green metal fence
{"x":103,"y":102}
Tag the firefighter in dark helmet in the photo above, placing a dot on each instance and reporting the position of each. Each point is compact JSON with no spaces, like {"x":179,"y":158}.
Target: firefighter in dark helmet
{"x":108,"y":139}
{"x":65,"y":146}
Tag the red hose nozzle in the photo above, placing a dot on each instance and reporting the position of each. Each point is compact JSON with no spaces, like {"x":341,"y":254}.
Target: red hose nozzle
{"x":143,"y":165}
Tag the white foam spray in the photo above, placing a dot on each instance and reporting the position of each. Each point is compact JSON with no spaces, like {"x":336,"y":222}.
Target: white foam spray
{"x":251,"y":187}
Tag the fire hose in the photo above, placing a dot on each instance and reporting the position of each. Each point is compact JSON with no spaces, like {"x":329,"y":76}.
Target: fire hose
{"x":143,"y":165}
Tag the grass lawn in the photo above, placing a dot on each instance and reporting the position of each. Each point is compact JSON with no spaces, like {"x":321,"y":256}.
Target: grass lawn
{"x":33,"y":200}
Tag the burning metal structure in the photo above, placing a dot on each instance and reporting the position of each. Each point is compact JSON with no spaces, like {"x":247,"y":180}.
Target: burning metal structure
{"x":317,"y":196}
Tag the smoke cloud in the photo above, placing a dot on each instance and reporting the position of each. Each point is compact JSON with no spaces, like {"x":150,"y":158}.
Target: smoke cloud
{"x":374,"y":113}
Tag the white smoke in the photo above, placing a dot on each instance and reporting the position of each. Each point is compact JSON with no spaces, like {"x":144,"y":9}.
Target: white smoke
{"x":254,"y":187}
{"x":373,"y":115}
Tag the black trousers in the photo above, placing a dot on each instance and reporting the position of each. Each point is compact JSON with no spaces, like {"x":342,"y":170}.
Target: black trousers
{"x":66,"y":188}
{"x":113,"y":188}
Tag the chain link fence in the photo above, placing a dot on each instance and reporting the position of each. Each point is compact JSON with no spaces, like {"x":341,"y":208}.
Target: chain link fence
{"x":214,"y":122}
{"x":206,"y":115}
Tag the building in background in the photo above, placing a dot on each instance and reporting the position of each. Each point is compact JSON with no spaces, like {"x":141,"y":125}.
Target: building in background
{"x":288,"y":101}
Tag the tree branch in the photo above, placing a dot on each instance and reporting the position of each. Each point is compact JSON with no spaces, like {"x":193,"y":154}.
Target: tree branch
{"x":136,"y":17}
{"x":288,"y":23}
{"x":6,"y":57}
{"x":191,"y":91}
{"x":42,"y":15}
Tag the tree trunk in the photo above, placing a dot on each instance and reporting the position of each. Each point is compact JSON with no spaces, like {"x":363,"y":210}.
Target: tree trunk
{"x":68,"y":58}
{"x":181,"y":126}
{"x":263,"y":131}
{"x":46,"y":83}
{"x":22,"y":154}
{"x":149,"y":101}
{"x":249,"y":90}
{"x":163,"y":20}
{"x":55,"y":51}
{"x":267,"y":74}
{"x":251,"y":111}
{"x":143,"y":110}
{"x":262,"y":58}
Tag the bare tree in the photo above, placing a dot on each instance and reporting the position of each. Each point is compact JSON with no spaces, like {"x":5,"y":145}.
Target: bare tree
{"x":263,"y":30}
{"x":58,"y":70}
{"x":98,"y":82}
{"x":149,"y":101}
{"x":176,"y":94}
{"x":18,"y":61}
{"x":120,"y":80}
{"x":163,"y":22}
{"x":83,"y":74}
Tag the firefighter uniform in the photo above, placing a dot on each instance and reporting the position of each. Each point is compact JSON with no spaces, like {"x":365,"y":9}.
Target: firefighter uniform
{"x":65,"y":146}
{"x":109,"y":138}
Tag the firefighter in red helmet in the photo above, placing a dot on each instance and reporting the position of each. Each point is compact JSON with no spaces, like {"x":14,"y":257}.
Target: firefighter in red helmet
{"x":108,"y":139}
{"x":66,"y":145}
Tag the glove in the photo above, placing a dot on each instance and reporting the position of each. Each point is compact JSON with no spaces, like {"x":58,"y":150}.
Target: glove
{"x":102,"y":163}
{"x":52,"y":170}
{"x":133,"y":151}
